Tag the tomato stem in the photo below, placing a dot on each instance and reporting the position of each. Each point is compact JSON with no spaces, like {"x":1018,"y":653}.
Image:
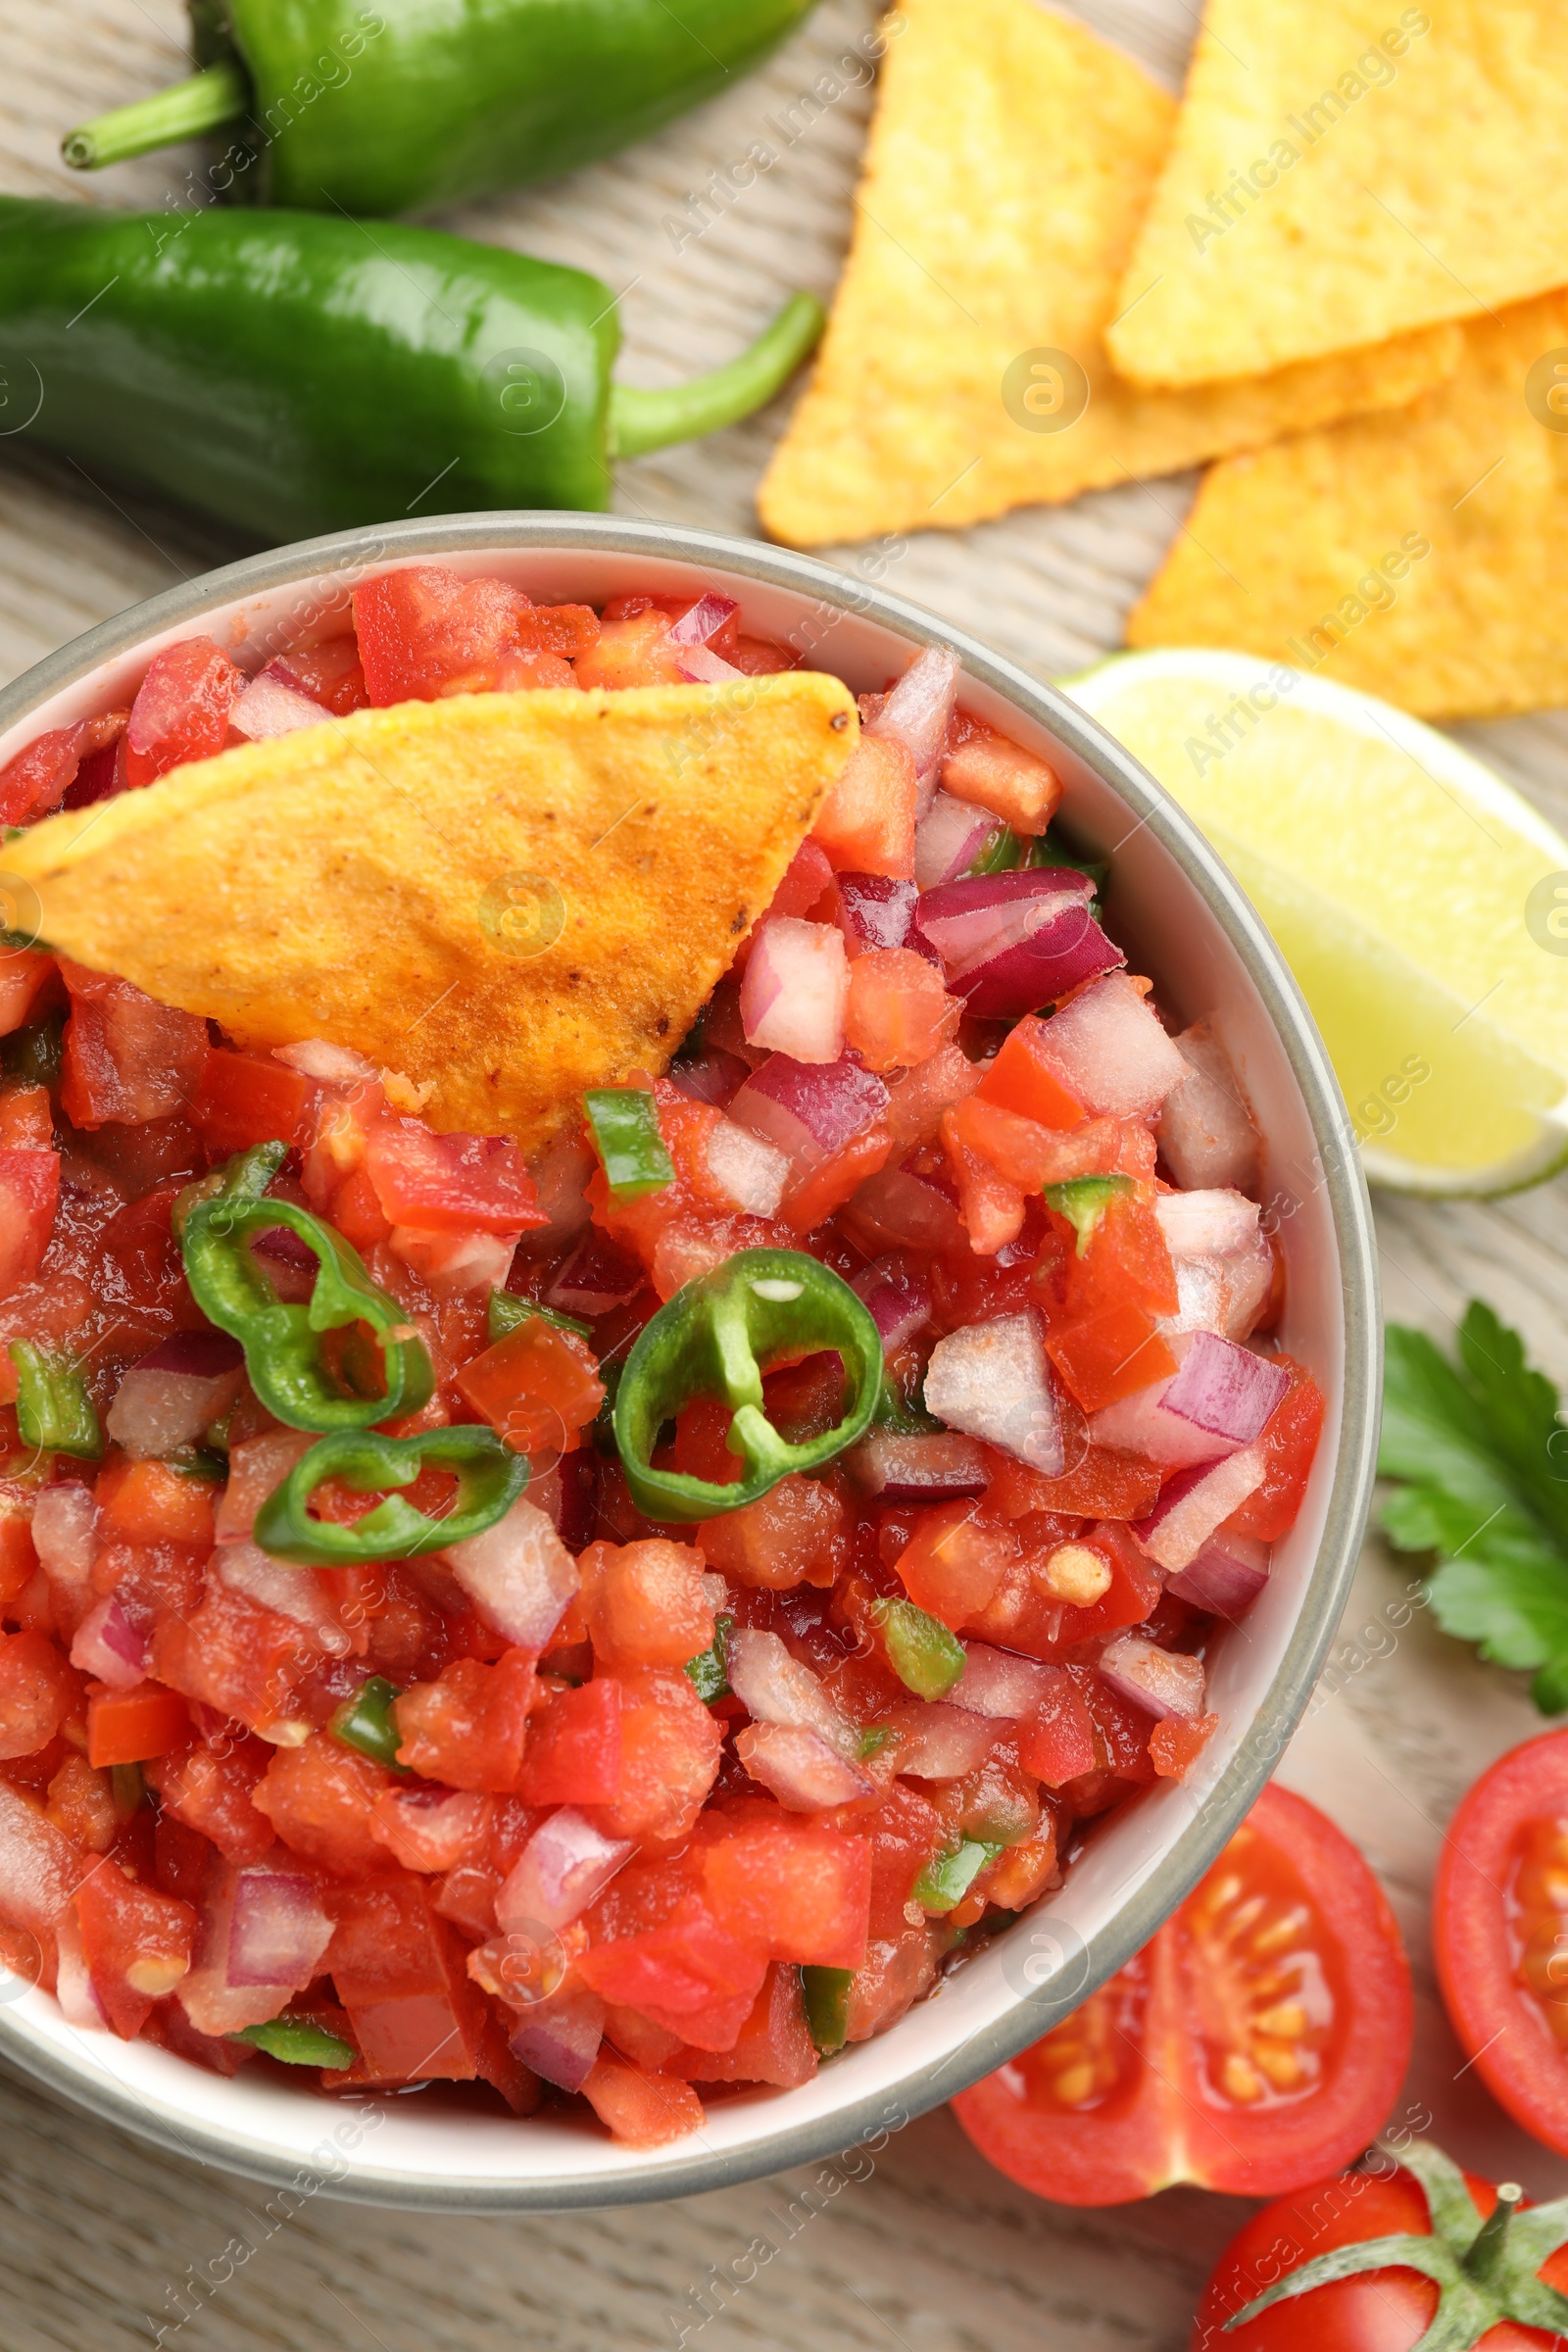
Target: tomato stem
{"x":1485,"y":2257}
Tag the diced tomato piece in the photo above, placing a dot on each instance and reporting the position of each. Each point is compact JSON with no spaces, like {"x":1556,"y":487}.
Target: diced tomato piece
{"x":899,"y":1012}
{"x":23,"y":973}
{"x":1174,"y":1746}
{"x":866,"y":823}
{"x":26,"y":1119}
{"x":246,"y":1099}
{"x":641,"y":2111}
{"x":643,"y":1603}
{"x":1289,"y":1442}
{"x":450,"y":1183}
{"x":256,"y":1466}
{"x":230,"y":1653}
{"x":428,"y":633}
{"x":671,"y":1749}
{"x":690,"y":1975}
{"x":775,"y":2045}
{"x":318,"y":1796}
{"x":1031,"y":1155}
{"x":1101,"y":1485}
{"x":635,"y":651}
{"x":148,"y":1503}
{"x":813,"y":1201}
{"x":38,"y":1692}
{"x":136,"y":1943}
{"x":399,"y":1972}
{"x":573,"y":1754}
{"x":34,"y":782}
{"x":1109,"y":1354}
{"x":802,"y":1893}
{"x":539,"y":1386}
{"x":210,"y":1789}
{"x":1058,"y":1742}
{"x":126,"y":1727}
{"x":29,"y":1194}
{"x":330,"y":673}
{"x":427,"y":1828}
{"x":806,"y":877}
{"x":81,"y":1802}
{"x":182,"y":709}
{"x":988,"y":771}
{"x":991,"y":1207}
{"x":955,"y":1561}
{"x":467,"y":1728}
{"x":796,"y":1534}
{"x":19,"y":1562}
{"x":127,"y":1058}
{"x":1127,"y":1260}
{"x":1020,"y":1080}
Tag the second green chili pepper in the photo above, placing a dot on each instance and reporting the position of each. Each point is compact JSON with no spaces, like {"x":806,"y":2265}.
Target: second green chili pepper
{"x":490,"y":1479}
{"x":707,"y":1342}
{"x":282,"y":1339}
{"x":326,"y":103}
{"x":54,"y":1412}
{"x":292,"y":374}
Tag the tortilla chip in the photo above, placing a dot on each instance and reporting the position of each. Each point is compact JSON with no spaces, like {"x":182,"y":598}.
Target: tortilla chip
{"x":1009,"y":164}
{"x":1417,"y":557}
{"x":512,"y":895}
{"x":1345,"y":170}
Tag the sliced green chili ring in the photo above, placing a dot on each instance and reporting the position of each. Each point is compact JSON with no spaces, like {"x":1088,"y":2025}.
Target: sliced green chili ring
{"x":54,"y":1412}
{"x":623,"y":1121}
{"x":899,"y":1406}
{"x":926,"y":1658}
{"x":708,"y":1672}
{"x":874,"y":1741}
{"x":947,"y":1878}
{"x":490,"y":1478}
{"x":1083,"y":1201}
{"x":708,"y":1342}
{"x":281,"y":1338}
{"x":298,"y":2041}
{"x":364,"y":1722}
{"x":1002,"y":854}
{"x":507,"y":1313}
{"x":1049,"y":849}
{"x":826,"y":1992}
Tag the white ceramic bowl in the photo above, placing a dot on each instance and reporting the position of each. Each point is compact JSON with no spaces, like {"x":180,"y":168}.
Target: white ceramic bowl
{"x":1182,"y":918}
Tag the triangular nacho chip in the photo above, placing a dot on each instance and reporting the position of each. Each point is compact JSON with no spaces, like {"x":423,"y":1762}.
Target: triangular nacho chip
{"x":512,"y":896}
{"x":1345,"y":170}
{"x":964,"y":369}
{"x":1417,"y":557}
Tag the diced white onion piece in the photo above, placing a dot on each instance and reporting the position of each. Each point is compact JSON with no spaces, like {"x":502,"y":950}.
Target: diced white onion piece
{"x":990,"y":1381}
{"x":294,"y":1593}
{"x":1140,"y":1424}
{"x":269,"y":707}
{"x":800,"y":1767}
{"x":750,"y":1170}
{"x":927,"y":1467}
{"x":948,"y":839}
{"x":938,"y":1741}
{"x":277,"y":1930}
{"x":796,"y":990}
{"x":564,"y":1865}
{"x":774,"y":1687}
{"x":171,"y":1396}
{"x":64,"y":1521}
{"x":79,"y":2004}
{"x":917,"y":711}
{"x":1108,"y":1050}
{"x":518,"y":1575}
{"x":996,"y":1682}
{"x":1161,"y":1682}
{"x":559,"y":2038}
{"x":1195,"y":1503}
{"x":108,"y":1646}
{"x":1214,"y":1223}
{"x":1206,"y":1130}
{"x":1226,"y":1578}
{"x":453,"y":1262}
{"x":335,"y":1066}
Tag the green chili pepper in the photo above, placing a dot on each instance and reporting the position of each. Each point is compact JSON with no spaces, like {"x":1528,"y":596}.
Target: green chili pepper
{"x":826,"y":1992}
{"x":899,"y":1406}
{"x":288,"y":373}
{"x":707,"y":1342}
{"x":947,"y":1878}
{"x":54,"y":1412}
{"x":490,"y":1478}
{"x":365,"y":1721}
{"x":1002,"y":854}
{"x":708,"y":1671}
{"x":298,"y":2041}
{"x":281,"y":1340}
{"x":507,"y":1314}
{"x":1083,"y":1201}
{"x":1048,"y":848}
{"x":329,"y":103}
{"x":926,"y":1658}
{"x":623,"y":1121}
{"x":36,"y":1055}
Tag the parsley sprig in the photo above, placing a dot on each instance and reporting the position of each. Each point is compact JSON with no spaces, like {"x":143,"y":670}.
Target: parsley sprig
{"x":1481,"y":1457}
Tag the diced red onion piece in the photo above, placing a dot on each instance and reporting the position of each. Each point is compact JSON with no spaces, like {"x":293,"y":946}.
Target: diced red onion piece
{"x":923,"y":1468}
{"x":796,"y":988}
{"x":203,"y":1354}
{"x":335,"y":1066}
{"x":564,"y":1865}
{"x":917,"y":711}
{"x":106,"y":1644}
{"x":1206,"y":1130}
{"x":801,"y":1768}
{"x":939,"y":1741}
{"x":1108,"y":1050}
{"x":1161,"y":1682}
{"x":1010,"y":942}
{"x":595,"y":1277}
{"x":170,"y":1396}
{"x":949,"y":838}
{"x":704,"y":667}
{"x":701,"y":621}
{"x":996,"y":1682}
{"x":65,"y":1520}
{"x":560,"y":1175}
{"x":268,"y":708}
{"x":1193,"y":1503}
{"x":1226,"y":1578}
{"x":559,"y":2038}
{"x":282,"y":1243}
{"x":918,"y":1208}
{"x":1216,"y":1223}
{"x":1225,"y":1389}
{"x":518,"y":1575}
{"x":714,"y":1077}
{"x":1140,"y":1424}
{"x":808,"y":1110}
{"x":774,"y":1687}
{"x":878,"y":910}
{"x":990,"y":1381}
{"x":278,"y":1929}
{"x":750,"y":1170}
{"x":899,"y":1297}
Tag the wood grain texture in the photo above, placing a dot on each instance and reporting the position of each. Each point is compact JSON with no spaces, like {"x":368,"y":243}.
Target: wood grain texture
{"x":931,"y":2251}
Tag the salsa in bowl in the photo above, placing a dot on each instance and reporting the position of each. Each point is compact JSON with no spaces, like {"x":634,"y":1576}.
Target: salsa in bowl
{"x":642,"y":1653}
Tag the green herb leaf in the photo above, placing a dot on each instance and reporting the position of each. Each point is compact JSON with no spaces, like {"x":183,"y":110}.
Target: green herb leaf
{"x":1481,"y":1458}
{"x":707,"y":1671}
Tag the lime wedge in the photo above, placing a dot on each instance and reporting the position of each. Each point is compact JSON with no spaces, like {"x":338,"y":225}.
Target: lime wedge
{"x":1421,"y":904}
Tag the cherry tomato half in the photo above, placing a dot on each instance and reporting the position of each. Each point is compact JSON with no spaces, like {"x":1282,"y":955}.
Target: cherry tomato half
{"x":1499,"y":1917}
{"x":1257,"y":2044}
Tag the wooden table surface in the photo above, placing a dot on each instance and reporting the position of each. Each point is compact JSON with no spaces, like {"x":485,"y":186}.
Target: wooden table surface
{"x":932,"y":2251}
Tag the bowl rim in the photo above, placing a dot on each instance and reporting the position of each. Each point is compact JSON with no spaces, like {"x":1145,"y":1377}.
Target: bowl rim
{"x":1214,"y":1819}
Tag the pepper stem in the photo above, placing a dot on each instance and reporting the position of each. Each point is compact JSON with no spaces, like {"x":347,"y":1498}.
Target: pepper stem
{"x":640,"y":421}
{"x":205,"y":101}
{"x":1487,"y":2247}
